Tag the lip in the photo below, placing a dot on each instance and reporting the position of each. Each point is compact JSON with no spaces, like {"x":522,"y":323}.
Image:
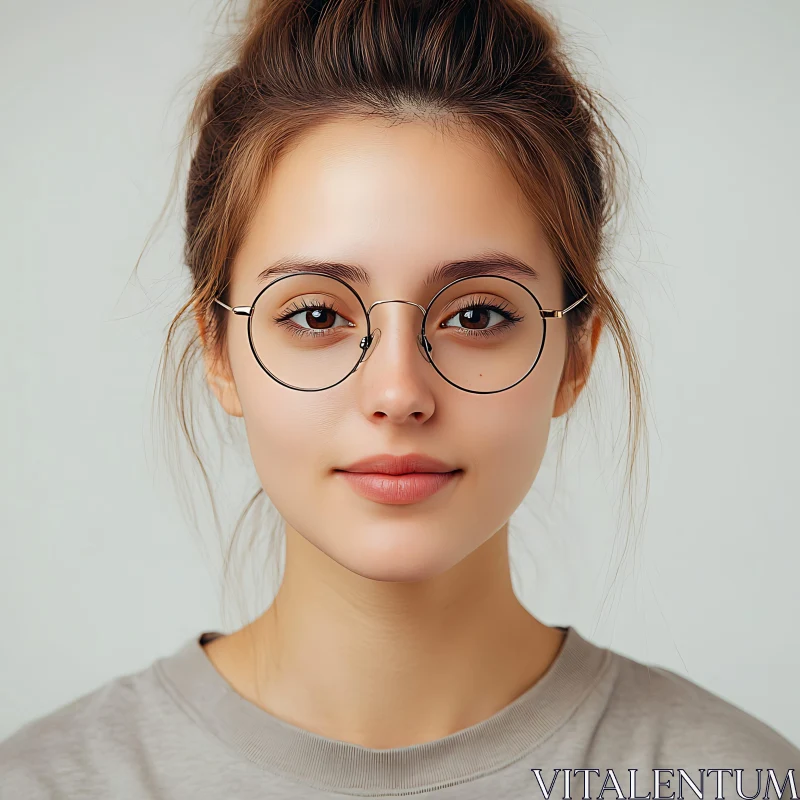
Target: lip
{"x":398,"y":480}
{"x":389,"y":464}
{"x":398,"y":489}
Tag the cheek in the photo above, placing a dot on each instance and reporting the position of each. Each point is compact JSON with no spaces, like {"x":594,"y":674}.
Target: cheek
{"x":286,"y":435}
{"x":508,"y":431}
{"x":507,"y":437}
{"x":285,"y":428}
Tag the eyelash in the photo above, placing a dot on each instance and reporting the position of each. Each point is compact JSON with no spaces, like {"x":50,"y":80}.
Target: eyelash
{"x":296,"y":309}
{"x":509,"y":316}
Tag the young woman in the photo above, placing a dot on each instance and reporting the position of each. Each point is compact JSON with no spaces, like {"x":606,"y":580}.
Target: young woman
{"x":396,"y":218}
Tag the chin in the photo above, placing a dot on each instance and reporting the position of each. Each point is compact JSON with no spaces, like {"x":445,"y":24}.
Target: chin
{"x":396,"y":555}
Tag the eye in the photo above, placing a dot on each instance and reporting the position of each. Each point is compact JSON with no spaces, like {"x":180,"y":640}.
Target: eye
{"x":477,"y":316}
{"x":319,"y":318}
{"x":316,"y":316}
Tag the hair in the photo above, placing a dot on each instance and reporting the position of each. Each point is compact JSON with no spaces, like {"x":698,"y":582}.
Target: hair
{"x":497,"y":69}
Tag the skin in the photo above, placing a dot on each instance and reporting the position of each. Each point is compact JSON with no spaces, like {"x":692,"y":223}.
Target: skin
{"x":410,"y":608}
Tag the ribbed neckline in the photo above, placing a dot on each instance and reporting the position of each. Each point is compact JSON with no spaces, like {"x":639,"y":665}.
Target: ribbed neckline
{"x":329,"y":764}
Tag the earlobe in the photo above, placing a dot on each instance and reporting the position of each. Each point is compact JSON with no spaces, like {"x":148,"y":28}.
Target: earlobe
{"x":223,"y":386}
{"x":224,"y":389}
{"x":565,"y":398}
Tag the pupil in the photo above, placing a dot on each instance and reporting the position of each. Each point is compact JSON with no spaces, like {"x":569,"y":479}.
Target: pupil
{"x":472,"y":315}
{"x":316,"y":314}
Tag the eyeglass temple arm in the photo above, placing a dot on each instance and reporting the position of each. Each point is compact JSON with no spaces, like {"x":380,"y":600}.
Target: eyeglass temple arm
{"x":243,"y":311}
{"x":558,"y":314}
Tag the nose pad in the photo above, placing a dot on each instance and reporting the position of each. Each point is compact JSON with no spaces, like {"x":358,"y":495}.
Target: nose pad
{"x":375,"y":337}
{"x":424,"y":347}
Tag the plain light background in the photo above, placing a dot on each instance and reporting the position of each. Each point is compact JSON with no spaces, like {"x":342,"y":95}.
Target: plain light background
{"x":101,"y":572}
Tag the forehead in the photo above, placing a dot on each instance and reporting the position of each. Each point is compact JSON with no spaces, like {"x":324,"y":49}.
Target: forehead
{"x":393,"y":199}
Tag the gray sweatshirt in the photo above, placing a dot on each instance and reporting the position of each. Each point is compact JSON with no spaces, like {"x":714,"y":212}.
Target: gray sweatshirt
{"x":597,"y":724}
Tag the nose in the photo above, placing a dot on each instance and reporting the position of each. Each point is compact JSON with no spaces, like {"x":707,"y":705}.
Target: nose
{"x":396,"y":384}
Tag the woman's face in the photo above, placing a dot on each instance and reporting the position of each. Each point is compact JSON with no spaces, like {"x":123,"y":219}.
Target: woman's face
{"x":394,"y":201}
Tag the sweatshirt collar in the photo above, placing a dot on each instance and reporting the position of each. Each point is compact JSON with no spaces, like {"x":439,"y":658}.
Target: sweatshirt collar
{"x":329,"y":764}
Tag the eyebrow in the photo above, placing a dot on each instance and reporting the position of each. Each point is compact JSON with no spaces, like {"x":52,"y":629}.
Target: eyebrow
{"x":492,"y":263}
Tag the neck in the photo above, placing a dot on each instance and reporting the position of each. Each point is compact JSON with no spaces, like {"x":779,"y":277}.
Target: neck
{"x":388,"y":664}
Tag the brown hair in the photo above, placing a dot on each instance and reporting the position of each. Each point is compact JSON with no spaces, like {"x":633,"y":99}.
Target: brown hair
{"x":497,"y":68}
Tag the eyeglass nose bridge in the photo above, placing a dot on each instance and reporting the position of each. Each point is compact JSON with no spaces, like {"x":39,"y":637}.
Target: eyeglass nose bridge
{"x":423,"y":345}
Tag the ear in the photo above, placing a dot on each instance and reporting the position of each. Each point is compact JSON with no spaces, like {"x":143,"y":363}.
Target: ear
{"x":572,"y":384}
{"x":218,"y":373}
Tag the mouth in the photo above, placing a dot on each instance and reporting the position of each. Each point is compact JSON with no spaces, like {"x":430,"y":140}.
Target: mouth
{"x":397,"y":480}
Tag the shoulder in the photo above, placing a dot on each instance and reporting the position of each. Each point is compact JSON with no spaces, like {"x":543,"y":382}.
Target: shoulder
{"x":71,"y":751}
{"x":685,"y":722}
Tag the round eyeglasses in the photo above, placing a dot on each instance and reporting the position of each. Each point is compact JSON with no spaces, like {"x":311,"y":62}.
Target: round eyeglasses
{"x":483,"y":334}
